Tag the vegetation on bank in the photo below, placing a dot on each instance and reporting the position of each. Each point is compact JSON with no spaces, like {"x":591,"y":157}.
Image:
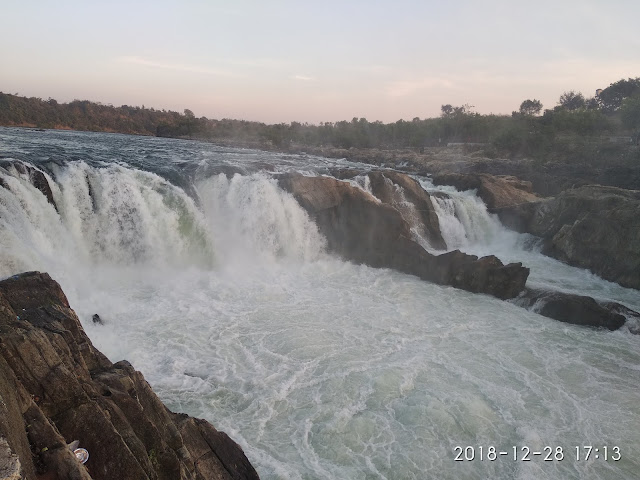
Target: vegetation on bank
{"x":575,"y":126}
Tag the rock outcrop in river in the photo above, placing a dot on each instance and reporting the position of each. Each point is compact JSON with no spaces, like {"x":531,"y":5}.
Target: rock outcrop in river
{"x":363,"y":229}
{"x":592,"y":227}
{"x":495,"y":191}
{"x":575,"y":309}
{"x":55,"y":387}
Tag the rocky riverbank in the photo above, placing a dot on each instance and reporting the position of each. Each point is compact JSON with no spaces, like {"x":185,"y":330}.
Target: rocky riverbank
{"x":547,"y":178}
{"x":56,"y":387}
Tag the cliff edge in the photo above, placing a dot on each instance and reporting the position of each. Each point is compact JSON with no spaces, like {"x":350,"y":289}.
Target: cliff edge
{"x":56,"y":387}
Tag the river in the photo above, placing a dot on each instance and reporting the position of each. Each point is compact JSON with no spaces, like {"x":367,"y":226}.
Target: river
{"x":219,"y":289}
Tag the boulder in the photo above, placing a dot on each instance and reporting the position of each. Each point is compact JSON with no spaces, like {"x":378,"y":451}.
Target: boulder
{"x":570,"y":308}
{"x":633,"y":317}
{"x":56,"y":387}
{"x":593,"y":227}
{"x":364,"y":230}
{"x":517,"y":217}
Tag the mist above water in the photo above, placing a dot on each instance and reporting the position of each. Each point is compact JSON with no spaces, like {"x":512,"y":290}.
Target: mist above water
{"x":229,"y":304}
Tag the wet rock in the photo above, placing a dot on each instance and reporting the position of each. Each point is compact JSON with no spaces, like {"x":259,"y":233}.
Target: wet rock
{"x":345,"y":173}
{"x":37,"y":179}
{"x":56,"y":387}
{"x":496,"y":191}
{"x":517,"y":217}
{"x":570,"y":308}
{"x":633,"y":317}
{"x":364,"y":230}
{"x":592,"y":227}
{"x":395,"y":189}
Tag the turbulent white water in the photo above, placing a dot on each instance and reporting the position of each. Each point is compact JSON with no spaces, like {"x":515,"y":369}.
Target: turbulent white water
{"x":320,"y":368}
{"x":466,"y":225}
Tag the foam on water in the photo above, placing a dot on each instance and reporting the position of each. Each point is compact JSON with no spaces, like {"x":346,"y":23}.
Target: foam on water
{"x":330,"y":370}
{"x":320,"y":368}
{"x":467,"y":225}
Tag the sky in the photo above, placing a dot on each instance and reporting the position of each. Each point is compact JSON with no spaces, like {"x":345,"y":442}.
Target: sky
{"x":322,"y":61}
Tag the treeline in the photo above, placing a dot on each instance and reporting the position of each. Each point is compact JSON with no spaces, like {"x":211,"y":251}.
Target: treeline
{"x":83,"y":115}
{"x":612,"y":116}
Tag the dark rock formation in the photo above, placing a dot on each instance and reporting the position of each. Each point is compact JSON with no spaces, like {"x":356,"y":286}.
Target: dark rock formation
{"x":592,"y":227}
{"x":518,"y":217}
{"x":633,"y":317}
{"x":569,"y":308}
{"x":364,"y":230}
{"x":37,"y":179}
{"x":496,"y":191}
{"x":56,"y":387}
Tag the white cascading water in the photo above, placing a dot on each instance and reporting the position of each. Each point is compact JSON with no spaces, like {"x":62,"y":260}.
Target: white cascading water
{"x":253,"y":212}
{"x":107,"y":216}
{"x":464,"y":221}
{"x":466,"y":224}
{"x":319,"y":368}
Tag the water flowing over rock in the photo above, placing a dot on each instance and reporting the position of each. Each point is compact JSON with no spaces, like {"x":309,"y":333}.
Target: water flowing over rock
{"x":407,"y":196}
{"x":385,"y":186}
{"x":364,"y":230}
{"x":56,"y":387}
{"x":592,"y":227}
{"x":36,"y":177}
{"x":570,"y":308}
{"x":497,"y":191}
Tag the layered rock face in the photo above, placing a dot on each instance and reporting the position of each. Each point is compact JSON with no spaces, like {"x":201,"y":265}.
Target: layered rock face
{"x":362,"y":229}
{"x":55,"y":387}
{"x":592,"y":227}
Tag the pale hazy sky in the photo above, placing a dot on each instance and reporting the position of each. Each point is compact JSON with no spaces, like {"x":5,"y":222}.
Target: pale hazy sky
{"x":322,"y":60}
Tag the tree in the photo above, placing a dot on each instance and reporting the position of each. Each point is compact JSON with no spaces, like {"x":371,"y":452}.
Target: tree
{"x":530,"y":107}
{"x":572,"y":100}
{"x":612,"y":97}
{"x":630,"y":115}
{"x":447,"y":110}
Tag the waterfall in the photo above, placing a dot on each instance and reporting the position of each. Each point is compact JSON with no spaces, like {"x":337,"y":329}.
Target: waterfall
{"x":121,"y":216}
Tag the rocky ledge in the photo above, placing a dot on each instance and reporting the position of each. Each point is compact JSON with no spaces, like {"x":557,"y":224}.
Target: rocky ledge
{"x":362,"y":228}
{"x":496,"y":191}
{"x":56,"y":387}
{"x":592,"y":227}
